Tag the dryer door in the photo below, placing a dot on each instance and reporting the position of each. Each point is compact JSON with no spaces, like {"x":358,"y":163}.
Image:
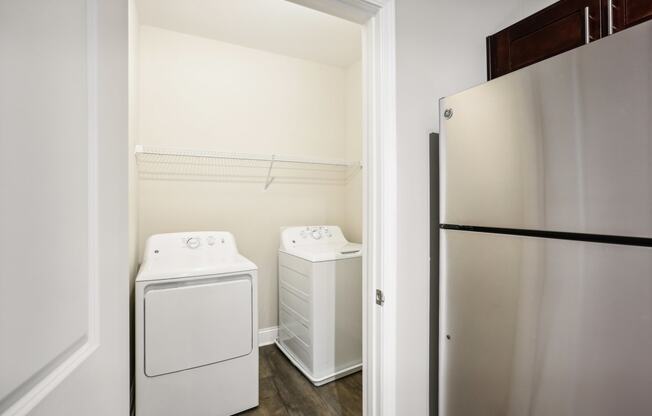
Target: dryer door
{"x":195,"y":325}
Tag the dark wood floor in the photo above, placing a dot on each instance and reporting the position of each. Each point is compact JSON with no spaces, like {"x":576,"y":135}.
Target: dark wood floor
{"x":285,"y":391}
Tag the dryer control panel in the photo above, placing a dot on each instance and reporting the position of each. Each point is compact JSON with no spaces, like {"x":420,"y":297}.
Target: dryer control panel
{"x":209,"y":245}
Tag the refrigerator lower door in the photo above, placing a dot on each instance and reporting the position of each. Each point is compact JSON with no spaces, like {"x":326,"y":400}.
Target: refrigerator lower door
{"x":533,"y":326}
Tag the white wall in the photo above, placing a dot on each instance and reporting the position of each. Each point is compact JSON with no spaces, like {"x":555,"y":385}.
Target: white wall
{"x":440,"y":50}
{"x":200,"y":93}
{"x":133,"y":135}
{"x":133,"y":255}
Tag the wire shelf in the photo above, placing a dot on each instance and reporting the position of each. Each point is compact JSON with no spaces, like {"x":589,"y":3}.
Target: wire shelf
{"x":161,"y":162}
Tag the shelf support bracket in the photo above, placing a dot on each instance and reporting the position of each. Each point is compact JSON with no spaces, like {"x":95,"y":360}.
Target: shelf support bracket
{"x":270,"y":178}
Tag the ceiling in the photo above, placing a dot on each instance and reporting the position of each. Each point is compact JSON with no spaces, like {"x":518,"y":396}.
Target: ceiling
{"x":272,"y":25}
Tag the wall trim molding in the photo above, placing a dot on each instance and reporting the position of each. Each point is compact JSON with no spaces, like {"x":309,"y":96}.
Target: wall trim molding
{"x":267,"y":336}
{"x":380,"y":207}
{"x":358,"y":11}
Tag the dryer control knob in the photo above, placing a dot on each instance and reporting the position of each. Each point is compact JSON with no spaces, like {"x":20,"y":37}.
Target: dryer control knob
{"x":193,"y":242}
{"x":210,"y":240}
{"x":316,"y":234}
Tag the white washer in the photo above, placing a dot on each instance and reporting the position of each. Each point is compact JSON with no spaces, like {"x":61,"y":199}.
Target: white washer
{"x":196,"y":327}
{"x":320,"y":302}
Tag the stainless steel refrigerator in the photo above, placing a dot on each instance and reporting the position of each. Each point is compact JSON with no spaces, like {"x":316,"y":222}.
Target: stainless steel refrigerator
{"x":546,"y":237}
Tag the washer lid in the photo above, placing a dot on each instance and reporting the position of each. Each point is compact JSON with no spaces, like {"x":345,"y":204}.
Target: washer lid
{"x":318,"y":243}
{"x":190,"y":254}
{"x":326,"y":252}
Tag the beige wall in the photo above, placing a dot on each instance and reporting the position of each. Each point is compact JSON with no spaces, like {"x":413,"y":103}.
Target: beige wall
{"x":352,"y":222}
{"x":201,"y":93}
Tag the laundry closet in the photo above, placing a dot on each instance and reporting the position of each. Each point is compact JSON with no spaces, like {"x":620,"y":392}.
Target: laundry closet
{"x":246,"y":117}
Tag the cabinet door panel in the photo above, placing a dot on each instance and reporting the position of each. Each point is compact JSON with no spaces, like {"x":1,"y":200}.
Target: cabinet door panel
{"x":551,"y":31}
{"x":557,"y":37}
{"x":628,"y":13}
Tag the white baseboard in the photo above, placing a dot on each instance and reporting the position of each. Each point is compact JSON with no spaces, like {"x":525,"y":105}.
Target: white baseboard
{"x":267,"y":336}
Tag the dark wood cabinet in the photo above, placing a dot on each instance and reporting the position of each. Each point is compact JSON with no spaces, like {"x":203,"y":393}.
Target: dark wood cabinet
{"x":560,"y":27}
{"x":628,"y":13}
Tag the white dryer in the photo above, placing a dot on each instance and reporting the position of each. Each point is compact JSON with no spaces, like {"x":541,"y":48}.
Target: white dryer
{"x":320,"y":302}
{"x":196,"y":327}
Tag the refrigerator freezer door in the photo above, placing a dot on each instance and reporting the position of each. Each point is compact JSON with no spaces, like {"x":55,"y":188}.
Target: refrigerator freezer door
{"x":563,"y":145}
{"x":544,"y":327}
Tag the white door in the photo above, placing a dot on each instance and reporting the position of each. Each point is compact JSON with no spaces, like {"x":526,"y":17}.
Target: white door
{"x":64,"y":346}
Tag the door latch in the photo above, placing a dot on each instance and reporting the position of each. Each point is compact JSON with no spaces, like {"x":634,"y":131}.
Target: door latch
{"x":380,"y":297}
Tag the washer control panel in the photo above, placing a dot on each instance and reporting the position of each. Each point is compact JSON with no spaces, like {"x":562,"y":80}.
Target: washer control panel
{"x":315,"y":232}
{"x":311,"y":235}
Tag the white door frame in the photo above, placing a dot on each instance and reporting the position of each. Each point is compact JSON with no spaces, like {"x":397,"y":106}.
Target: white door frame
{"x":379,"y":194}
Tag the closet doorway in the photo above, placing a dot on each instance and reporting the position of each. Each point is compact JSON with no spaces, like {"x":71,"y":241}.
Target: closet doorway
{"x":255,"y":116}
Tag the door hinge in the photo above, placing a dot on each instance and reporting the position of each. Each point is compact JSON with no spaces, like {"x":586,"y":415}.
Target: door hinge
{"x":380,"y":297}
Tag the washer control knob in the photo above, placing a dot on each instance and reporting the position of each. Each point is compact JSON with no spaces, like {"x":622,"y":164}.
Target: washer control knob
{"x":193,"y":242}
{"x":210,"y":240}
{"x":316,"y":234}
